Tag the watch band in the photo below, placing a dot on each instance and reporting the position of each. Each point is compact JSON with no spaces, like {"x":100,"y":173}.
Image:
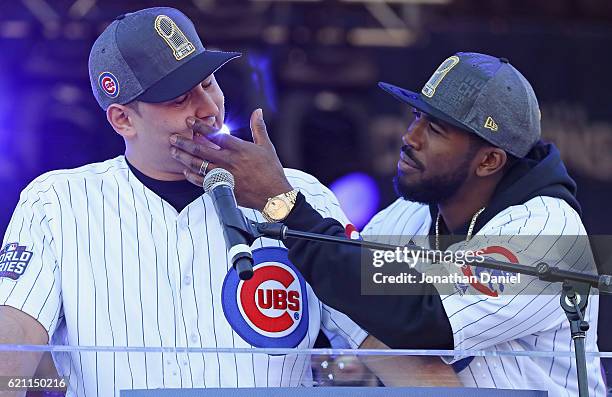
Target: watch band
{"x":288,"y":197}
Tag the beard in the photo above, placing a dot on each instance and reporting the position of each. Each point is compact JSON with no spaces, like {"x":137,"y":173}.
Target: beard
{"x":433,"y":189}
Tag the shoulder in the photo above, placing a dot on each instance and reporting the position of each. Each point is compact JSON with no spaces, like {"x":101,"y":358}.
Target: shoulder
{"x":57,"y":178}
{"x":309,"y":186}
{"x":320,"y":197}
{"x":304,"y":182}
{"x":54,"y":186}
{"x":541,"y":215}
{"x":400,"y":211}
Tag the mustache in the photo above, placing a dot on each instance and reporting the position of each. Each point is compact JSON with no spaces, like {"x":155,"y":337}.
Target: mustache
{"x":409,"y":152}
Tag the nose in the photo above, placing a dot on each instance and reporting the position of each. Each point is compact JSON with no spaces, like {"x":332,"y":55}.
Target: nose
{"x":415,"y":136}
{"x":206,"y":107}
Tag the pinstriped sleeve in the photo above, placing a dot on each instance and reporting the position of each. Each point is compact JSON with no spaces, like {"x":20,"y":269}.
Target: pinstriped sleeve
{"x":544,"y":230}
{"x":29,"y":271}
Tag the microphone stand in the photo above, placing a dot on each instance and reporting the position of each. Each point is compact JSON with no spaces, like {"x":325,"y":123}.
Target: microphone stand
{"x":574,"y":294}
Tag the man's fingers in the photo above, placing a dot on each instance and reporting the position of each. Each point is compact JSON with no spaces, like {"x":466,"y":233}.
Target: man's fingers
{"x":212,"y":135}
{"x":259,"y":130}
{"x":226,"y":141}
{"x":196,"y":149}
{"x":199,"y":126}
{"x":203,"y":140}
{"x":194,"y":178}
{"x":194,"y":163}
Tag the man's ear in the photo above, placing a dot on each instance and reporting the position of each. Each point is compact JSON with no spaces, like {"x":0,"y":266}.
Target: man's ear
{"x":121,"y":118}
{"x":492,"y":161}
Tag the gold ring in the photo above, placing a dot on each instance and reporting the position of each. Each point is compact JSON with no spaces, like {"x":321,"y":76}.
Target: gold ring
{"x":204,"y":167}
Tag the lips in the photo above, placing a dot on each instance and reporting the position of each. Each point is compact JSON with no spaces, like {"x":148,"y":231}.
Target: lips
{"x":410,"y":162}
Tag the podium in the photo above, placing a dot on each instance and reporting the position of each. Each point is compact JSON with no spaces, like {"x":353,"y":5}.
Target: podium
{"x":133,"y":371}
{"x":339,"y":391}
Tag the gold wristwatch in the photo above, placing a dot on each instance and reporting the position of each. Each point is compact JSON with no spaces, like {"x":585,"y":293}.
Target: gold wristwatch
{"x":278,"y":207}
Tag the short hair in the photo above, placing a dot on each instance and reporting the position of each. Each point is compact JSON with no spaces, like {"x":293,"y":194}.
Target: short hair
{"x":134,"y":105}
{"x":476,"y":142}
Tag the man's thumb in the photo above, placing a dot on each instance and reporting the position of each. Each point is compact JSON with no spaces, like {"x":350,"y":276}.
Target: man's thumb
{"x":258,"y":129}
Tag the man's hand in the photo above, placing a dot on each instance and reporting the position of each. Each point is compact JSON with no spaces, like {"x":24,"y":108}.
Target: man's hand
{"x":256,"y":168}
{"x":405,"y":371}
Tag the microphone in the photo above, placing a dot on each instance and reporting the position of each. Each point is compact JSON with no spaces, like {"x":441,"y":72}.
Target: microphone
{"x":219,"y":184}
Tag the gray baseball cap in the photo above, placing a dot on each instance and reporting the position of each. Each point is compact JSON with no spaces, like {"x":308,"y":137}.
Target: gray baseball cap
{"x":151,"y":55}
{"x":481,"y":94}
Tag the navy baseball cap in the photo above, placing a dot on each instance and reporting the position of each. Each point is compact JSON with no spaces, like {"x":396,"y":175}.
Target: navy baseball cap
{"x":481,"y":94}
{"x":151,"y":55}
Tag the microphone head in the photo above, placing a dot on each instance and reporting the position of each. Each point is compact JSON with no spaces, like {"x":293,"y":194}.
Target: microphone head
{"x":218,"y":176}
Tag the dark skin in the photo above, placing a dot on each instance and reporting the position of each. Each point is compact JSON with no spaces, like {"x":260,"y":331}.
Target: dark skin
{"x":256,"y":168}
{"x":259,"y":175}
{"x":437,"y":148}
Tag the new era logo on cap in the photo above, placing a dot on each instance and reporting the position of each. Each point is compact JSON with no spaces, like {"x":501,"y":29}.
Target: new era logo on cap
{"x":491,"y":124}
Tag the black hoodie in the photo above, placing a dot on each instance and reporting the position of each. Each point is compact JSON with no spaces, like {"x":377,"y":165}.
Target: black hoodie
{"x":416,"y":320}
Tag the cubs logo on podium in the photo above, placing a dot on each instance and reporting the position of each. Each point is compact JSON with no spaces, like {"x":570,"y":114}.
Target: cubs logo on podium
{"x":270,"y":309}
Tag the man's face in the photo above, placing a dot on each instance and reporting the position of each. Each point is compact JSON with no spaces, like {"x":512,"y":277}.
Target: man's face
{"x":155,"y":122}
{"x":435,"y":161}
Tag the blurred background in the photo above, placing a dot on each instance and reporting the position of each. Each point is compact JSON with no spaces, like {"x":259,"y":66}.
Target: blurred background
{"x":313,"y":67}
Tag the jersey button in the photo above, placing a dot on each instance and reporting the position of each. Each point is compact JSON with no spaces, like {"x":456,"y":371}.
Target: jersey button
{"x":194,"y":338}
{"x":187,"y":280}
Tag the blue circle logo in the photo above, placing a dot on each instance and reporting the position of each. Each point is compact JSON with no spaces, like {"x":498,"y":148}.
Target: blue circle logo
{"x":270,"y":309}
{"x":109,"y":84}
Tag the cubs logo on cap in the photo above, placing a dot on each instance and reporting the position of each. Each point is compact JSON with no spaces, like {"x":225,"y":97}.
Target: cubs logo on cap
{"x":271,"y":309}
{"x":109,"y":84}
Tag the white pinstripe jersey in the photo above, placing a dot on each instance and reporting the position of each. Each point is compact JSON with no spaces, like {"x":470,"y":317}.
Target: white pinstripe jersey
{"x":511,"y":322}
{"x":112,"y":264}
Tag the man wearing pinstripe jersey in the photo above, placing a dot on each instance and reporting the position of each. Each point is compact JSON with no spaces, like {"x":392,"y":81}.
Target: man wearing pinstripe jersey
{"x":472,"y":163}
{"x":127,"y":253}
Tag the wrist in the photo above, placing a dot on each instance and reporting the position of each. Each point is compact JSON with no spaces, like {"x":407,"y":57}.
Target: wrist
{"x":273,"y":191}
{"x":278,"y":207}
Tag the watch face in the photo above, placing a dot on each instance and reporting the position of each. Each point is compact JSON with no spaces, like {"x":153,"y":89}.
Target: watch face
{"x":277,"y":209}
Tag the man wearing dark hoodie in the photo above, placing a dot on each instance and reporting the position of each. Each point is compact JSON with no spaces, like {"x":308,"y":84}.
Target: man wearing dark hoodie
{"x":472,"y":164}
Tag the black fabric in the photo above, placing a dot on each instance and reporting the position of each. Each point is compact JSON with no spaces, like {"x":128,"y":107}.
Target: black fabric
{"x":540,"y":173}
{"x":177,"y":193}
{"x":416,"y":321}
{"x":186,"y":76}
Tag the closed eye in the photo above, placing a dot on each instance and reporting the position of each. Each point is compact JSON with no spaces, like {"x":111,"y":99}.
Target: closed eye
{"x":180,"y":100}
{"x":435,"y":128}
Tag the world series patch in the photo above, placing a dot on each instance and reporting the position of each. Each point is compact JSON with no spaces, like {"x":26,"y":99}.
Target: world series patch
{"x":271,"y":309}
{"x":14,"y":260}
